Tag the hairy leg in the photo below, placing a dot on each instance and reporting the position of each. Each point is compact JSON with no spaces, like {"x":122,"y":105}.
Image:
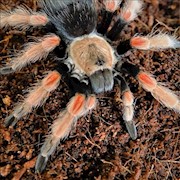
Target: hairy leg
{"x":128,"y":109}
{"x":128,"y":13}
{"x":32,"y":52}
{"x":159,"y":41}
{"x":162,"y":94}
{"x":23,"y":18}
{"x":156,"y":42}
{"x":78,"y":106}
{"x":108,"y":12}
{"x":35,"y":98}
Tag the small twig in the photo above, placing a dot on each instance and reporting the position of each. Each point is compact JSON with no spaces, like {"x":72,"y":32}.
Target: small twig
{"x":167,"y":27}
{"x":169,"y":171}
{"x":71,"y":157}
{"x":91,"y":142}
{"x":144,"y":24}
{"x":107,"y":162}
{"x":169,"y":161}
{"x":150,"y":172}
{"x":165,"y":130}
{"x":102,"y":119}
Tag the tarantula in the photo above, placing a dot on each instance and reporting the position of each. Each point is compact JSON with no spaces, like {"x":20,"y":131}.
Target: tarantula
{"x":91,"y":64}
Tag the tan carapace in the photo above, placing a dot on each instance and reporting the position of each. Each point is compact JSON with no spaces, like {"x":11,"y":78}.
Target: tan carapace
{"x":91,"y":53}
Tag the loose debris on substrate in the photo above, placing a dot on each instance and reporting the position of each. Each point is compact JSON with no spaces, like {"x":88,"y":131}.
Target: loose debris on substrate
{"x":99,"y":147}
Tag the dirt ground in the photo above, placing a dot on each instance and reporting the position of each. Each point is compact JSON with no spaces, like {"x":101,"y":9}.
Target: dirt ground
{"x":99,"y":147}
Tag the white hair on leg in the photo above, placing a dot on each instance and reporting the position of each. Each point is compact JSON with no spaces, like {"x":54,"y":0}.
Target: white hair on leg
{"x":162,"y":94}
{"x":128,"y":100}
{"x":60,"y":129}
{"x":128,"y":112}
{"x":112,"y":5}
{"x":131,"y":9}
{"x":23,"y":18}
{"x":32,"y":52}
{"x":166,"y":97}
{"x":36,"y":97}
{"x":156,"y":42}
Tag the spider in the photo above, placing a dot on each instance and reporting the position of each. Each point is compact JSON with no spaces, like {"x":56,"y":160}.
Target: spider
{"x":91,"y":62}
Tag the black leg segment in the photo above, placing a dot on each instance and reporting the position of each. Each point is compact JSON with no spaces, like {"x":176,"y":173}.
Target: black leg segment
{"x":130,"y":69}
{"x":116,"y":29}
{"x":123,"y":47}
{"x":106,"y":20}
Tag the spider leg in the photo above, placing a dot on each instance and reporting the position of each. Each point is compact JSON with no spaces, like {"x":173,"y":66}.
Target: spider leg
{"x":32,"y":52}
{"x":128,"y":13}
{"x":159,"y":41}
{"x":162,"y":94}
{"x":78,"y":106}
{"x":128,"y":109}
{"x":123,"y":47}
{"x":35,"y":98}
{"x":22,"y":17}
{"x":108,"y":13}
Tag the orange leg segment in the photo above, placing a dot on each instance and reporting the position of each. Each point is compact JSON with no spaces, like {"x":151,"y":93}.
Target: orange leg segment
{"x":35,"y":98}
{"x":78,"y":106}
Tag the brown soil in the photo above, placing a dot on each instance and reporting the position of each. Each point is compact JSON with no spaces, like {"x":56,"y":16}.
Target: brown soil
{"x":99,"y":147}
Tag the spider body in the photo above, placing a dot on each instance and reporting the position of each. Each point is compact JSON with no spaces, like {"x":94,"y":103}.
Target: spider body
{"x":94,"y":57}
{"x":92,"y":65}
{"x":65,"y":15}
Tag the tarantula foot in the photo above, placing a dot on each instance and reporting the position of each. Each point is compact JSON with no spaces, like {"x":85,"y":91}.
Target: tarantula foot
{"x":131,"y":127}
{"x":17,"y":114}
{"x":6,"y":70}
{"x":10,"y":121}
{"x":46,"y":150}
{"x":40,"y":163}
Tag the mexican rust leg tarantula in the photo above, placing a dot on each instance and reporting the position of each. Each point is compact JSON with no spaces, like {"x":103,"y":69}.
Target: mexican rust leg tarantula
{"x":92,"y":66}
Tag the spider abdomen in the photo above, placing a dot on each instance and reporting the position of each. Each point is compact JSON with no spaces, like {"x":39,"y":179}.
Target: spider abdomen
{"x":71,"y":18}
